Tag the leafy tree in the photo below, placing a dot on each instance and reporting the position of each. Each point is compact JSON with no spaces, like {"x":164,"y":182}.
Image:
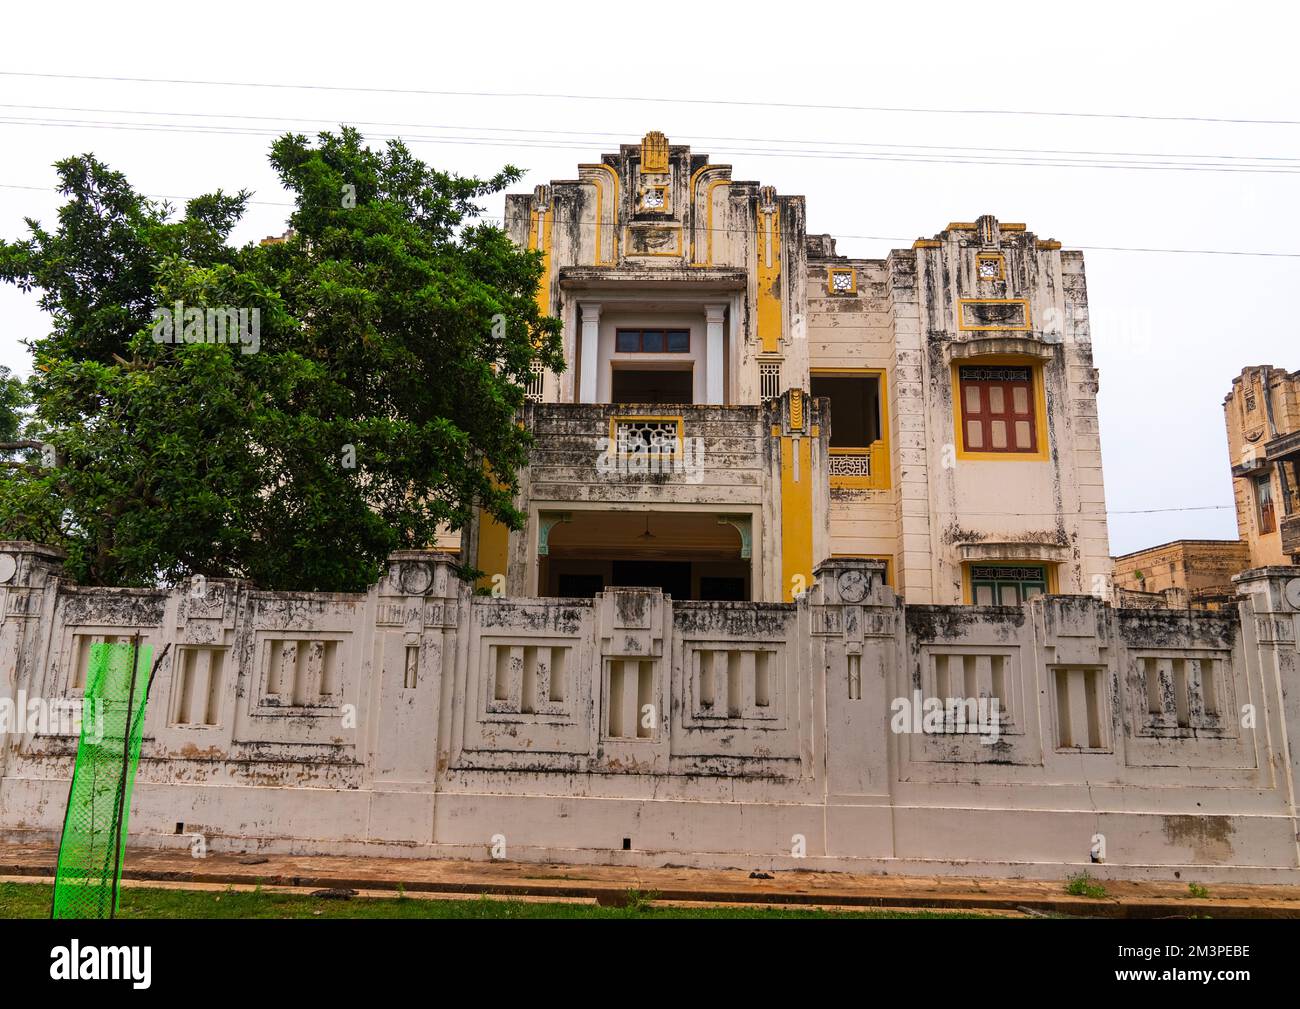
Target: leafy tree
{"x":13,"y":397}
{"x":377,"y":402}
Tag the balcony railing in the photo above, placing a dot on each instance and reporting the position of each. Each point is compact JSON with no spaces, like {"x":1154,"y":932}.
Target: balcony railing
{"x":659,"y":436}
{"x":866,"y":468}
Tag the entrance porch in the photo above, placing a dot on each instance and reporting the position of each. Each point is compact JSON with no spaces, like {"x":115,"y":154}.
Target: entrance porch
{"x":688,"y":555}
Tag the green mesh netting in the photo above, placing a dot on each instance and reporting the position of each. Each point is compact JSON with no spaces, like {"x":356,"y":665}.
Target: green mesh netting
{"x":94,"y":828}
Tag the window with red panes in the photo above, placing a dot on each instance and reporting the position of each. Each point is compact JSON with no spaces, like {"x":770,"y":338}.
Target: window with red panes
{"x":997,"y":408}
{"x":1264,"y":499}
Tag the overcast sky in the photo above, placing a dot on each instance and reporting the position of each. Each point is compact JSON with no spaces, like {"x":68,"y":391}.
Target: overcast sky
{"x":1170,"y":330}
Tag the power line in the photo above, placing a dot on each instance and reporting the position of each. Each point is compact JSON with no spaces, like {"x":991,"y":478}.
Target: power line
{"x":559,"y":96}
{"x":619,"y":136}
{"x":725,"y":230}
{"x":832,"y":155}
{"x":1154,"y":511}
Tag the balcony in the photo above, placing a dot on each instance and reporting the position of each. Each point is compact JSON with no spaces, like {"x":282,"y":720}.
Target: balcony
{"x":648,"y":453}
{"x":861,"y":468}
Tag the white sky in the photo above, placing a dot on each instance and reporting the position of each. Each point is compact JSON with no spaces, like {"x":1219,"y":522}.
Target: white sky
{"x":1169,"y":331}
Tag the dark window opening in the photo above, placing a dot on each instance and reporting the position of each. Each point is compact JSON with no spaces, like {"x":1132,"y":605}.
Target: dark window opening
{"x":855,"y":408}
{"x":654,"y":386}
{"x":652,"y":341}
{"x":722,"y":590}
{"x":580,"y":586}
{"x":673,"y":577}
{"x":704,"y":580}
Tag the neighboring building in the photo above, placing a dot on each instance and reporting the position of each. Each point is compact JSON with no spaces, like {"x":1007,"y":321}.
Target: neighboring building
{"x":1262,"y":413}
{"x":741,"y":402}
{"x":1200,"y":569}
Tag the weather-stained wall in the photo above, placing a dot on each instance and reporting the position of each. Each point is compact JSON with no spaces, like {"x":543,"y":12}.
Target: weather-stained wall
{"x":849,"y":730}
{"x":658,"y":217}
{"x":993,"y":298}
{"x":659,"y":234}
{"x":851,"y":332}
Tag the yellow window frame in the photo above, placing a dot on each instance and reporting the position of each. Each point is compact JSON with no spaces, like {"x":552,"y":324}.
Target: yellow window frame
{"x":1050,"y":568}
{"x":877,"y":450}
{"x":834,"y":271}
{"x":1039,"y":392}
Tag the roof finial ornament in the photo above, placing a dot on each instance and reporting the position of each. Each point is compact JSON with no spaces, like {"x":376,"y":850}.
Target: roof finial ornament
{"x":654,"y":152}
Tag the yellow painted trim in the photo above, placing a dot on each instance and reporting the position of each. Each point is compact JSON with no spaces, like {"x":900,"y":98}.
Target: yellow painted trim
{"x":927,"y":243}
{"x":666,"y":208}
{"x":493,"y":549}
{"x":655,"y":153}
{"x":995,"y":257}
{"x":769,"y":277}
{"x":690,"y":197}
{"x":708,"y":196}
{"x":831,"y":273}
{"x":971,"y":226}
{"x":1050,"y":568}
{"x":544,"y":244}
{"x":678,"y":419}
{"x":880,"y":478}
{"x":613,"y":224}
{"x":674,"y":228}
{"x":1048,"y":243}
{"x":796,"y":516}
{"x":961,"y":315}
{"x":708,"y":199}
{"x":887,"y":558}
{"x":1040,"y":410}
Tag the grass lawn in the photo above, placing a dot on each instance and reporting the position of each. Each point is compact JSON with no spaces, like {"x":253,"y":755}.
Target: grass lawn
{"x":32,"y":900}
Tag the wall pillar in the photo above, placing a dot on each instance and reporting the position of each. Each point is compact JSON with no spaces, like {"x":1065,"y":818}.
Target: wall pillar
{"x":713,"y":364}
{"x":1270,"y":625}
{"x":855,"y":631}
{"x":590,"y":351}
{"x":417,"y":606}
{"x":29,"y":573}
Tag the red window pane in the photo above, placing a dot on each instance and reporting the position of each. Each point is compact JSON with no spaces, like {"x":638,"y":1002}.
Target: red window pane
{"x":997,"y":406}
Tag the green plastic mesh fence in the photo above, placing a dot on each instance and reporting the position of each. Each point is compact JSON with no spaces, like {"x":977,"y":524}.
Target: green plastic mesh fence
{"x":94,"y":828}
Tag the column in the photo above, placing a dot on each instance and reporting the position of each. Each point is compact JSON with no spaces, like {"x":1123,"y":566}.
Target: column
{"x":714,"y":388}
{"x":590,"y":347}
{"x":29,"y":574}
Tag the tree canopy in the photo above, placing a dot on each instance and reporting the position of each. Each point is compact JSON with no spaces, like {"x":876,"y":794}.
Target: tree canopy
{"x":367,"y":395}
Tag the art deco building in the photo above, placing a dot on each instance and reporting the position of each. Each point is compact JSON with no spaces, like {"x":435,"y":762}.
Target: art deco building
{"x":1262,"y":413}
{"x":741,"y":402}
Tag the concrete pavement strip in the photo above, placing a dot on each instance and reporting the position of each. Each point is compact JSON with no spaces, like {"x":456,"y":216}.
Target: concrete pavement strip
{"x":607,"y":884}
